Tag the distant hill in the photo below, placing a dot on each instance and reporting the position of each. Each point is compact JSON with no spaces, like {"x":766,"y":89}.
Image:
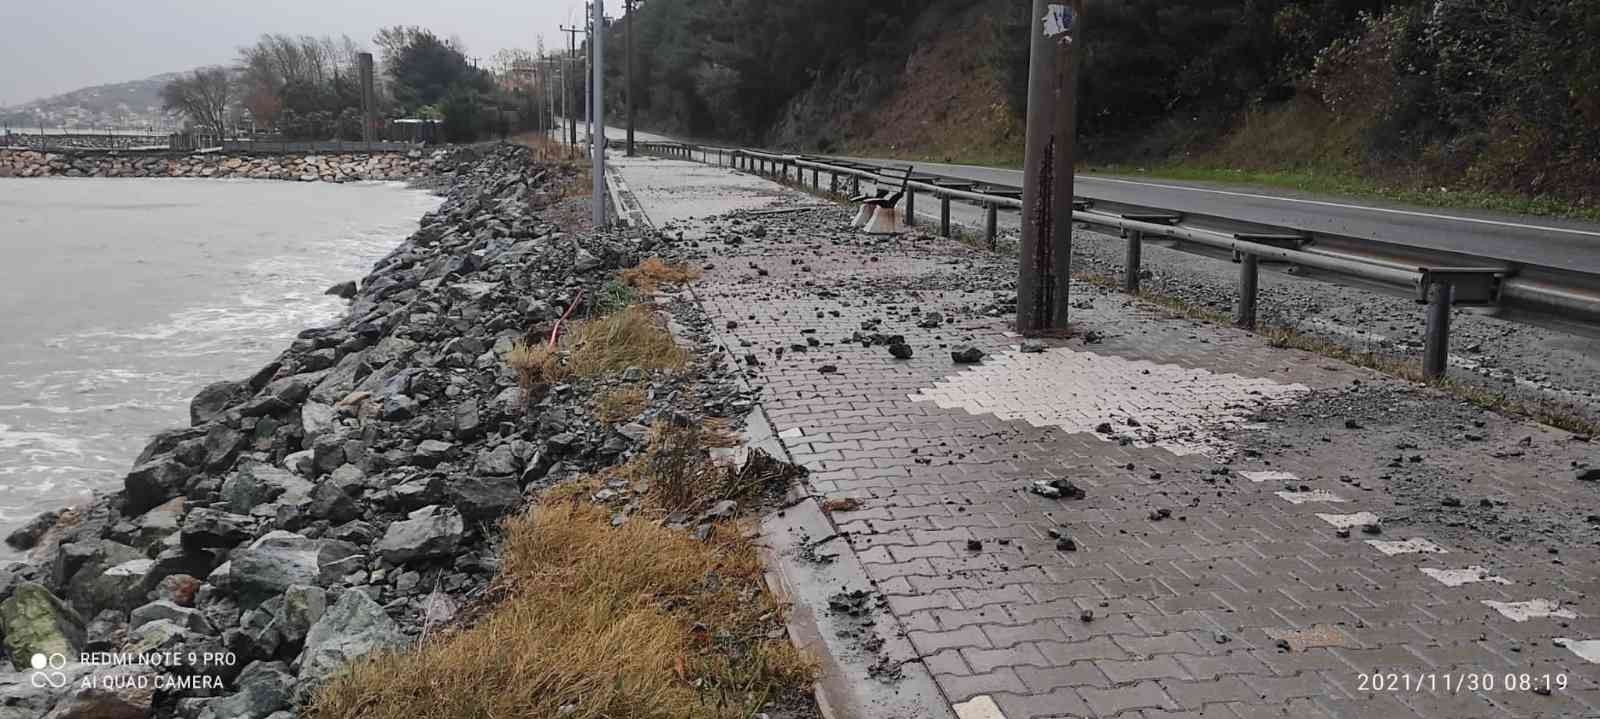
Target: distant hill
{"x":132,"y":105}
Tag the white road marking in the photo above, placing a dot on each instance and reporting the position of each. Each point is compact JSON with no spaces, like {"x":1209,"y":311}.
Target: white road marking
{"x":1317,"y":495}
{"x":1346,"y":521}
{"x":1533,"y":609}
{"x":1415,"y":545}
{"x":1368,"y":208}
{"x":978,"y":707}
{"x":1586,"y":649}
{"x":1458,"y":577}
{"x":1270,"y":476}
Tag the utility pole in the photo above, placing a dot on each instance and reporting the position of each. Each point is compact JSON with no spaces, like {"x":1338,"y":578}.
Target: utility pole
{"x":569,"y":77}
{"x":588,"y":74}
{"x":598,"y":120}
{"x":632,"y":6}
{"x":1044,"y":278}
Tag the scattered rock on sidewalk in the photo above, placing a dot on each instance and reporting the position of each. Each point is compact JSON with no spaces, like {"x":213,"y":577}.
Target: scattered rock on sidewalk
{"x":966,"y":354}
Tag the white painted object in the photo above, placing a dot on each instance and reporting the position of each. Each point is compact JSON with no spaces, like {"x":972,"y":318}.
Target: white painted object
{"x":1058,"y":21}
{"x":1458,"y":577}
{"x":1270,"y":476}
{"x":862,"y":217}
{"x":885,"y":221}
{"x":1415,"y":545}
{"x":1586,"y":649}
{"x":1346,"y":521}
{"x":1531,"y":609}
{"x":1316,"y":495}
{"x":978,"y":707}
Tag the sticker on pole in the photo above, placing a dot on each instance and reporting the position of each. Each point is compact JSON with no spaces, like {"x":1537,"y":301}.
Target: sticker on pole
{"x":1058,"y":23}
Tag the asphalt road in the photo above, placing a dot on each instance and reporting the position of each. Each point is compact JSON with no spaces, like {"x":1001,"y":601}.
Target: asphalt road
{"x":1534,"y":240}
{"x":1540,"y":241}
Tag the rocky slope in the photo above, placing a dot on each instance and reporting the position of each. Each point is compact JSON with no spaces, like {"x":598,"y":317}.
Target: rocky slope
{"x":304,"y":168}
{"x":342,"y":498}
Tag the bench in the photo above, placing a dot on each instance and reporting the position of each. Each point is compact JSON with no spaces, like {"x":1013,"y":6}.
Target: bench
{"x":878,"y":215}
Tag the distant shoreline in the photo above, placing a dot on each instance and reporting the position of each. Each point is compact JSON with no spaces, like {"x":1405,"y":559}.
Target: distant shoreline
{"x":299,"y":167}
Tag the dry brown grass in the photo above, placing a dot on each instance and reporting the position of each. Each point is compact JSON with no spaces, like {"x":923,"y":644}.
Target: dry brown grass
{"x":631,"y":337}
{"x":654,"y":272}
{"x":716,"y":432}
{"x":633,"y":622}
{"x":535,"y":364}
{"x":620,"y":405}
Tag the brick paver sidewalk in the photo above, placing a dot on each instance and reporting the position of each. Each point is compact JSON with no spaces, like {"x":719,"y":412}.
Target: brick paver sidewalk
{"x":1257,"y":535}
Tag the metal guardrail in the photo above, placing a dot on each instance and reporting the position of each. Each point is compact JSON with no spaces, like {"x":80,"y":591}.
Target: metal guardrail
{"x":1441,"y":280}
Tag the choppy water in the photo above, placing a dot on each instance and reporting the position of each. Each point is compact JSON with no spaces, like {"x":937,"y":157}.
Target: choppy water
{"x":120,"y":298}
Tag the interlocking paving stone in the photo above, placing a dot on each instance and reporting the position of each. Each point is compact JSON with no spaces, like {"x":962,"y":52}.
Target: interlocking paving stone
{"x":1241,"y":556}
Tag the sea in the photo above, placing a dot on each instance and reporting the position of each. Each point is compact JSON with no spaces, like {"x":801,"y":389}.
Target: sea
{"x":121,"y":298}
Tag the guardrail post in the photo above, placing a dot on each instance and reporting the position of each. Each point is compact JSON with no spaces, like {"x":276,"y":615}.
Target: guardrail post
{"x":1436,"y":344}
{"x":911,"y":207}
{"x":816,"y":184}
{"x":1130,"y":281}
{"x":855,"y":185}
{"x":1249,"y":275}
{"x":991,"y":224}
{"x":944,"y":216}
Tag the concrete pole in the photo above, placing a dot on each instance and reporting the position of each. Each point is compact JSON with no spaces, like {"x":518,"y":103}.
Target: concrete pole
{"x":1033,"y":303}
{"x":1069,"y":57}
{"x":599,"y":116}
{"x":588,"y":85}
{"x":1044,"y":276}
{"x":631,"y":7}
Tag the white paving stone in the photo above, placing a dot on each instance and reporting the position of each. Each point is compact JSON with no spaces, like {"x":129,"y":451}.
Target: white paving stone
{"x":1175,"y":408}
{"x":1531,"y":609}
{"x":1458,"y":577}
{"x":1586,"y":649}
{"x":1316,"y":495}
{"x":978,"y":707}
{"x":1346,"y":521}
{"x":1415,"y":545}
{"x":1270,"y":476}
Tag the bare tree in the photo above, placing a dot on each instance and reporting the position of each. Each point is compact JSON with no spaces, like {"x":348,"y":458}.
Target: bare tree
{"x":202,"y":97}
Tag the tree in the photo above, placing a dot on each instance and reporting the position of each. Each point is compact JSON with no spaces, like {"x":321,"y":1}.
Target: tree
{"x":425,"y":68}
{"x":202,"y":97}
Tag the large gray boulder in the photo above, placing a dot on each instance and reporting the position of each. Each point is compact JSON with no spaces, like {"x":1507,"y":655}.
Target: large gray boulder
{"x":353,"y":627}
{"x":215,"y":399}
{"x":264,"y":688}
{"x":280,"y":559}
{"x":34,"y":621}
{"x":428,"y":532}
{"x":161,"y":609}
{"x":113,"y":576}
{"x":254,"y":484}
{"x":153,"y":483}
{"x":109,"y":692}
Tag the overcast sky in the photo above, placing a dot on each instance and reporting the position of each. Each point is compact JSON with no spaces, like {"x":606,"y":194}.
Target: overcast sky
{"x":53,"y":47}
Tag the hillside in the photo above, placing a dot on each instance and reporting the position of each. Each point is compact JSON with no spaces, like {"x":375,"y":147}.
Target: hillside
{"x":134,"y":105}
{"x":1440,"y":101}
